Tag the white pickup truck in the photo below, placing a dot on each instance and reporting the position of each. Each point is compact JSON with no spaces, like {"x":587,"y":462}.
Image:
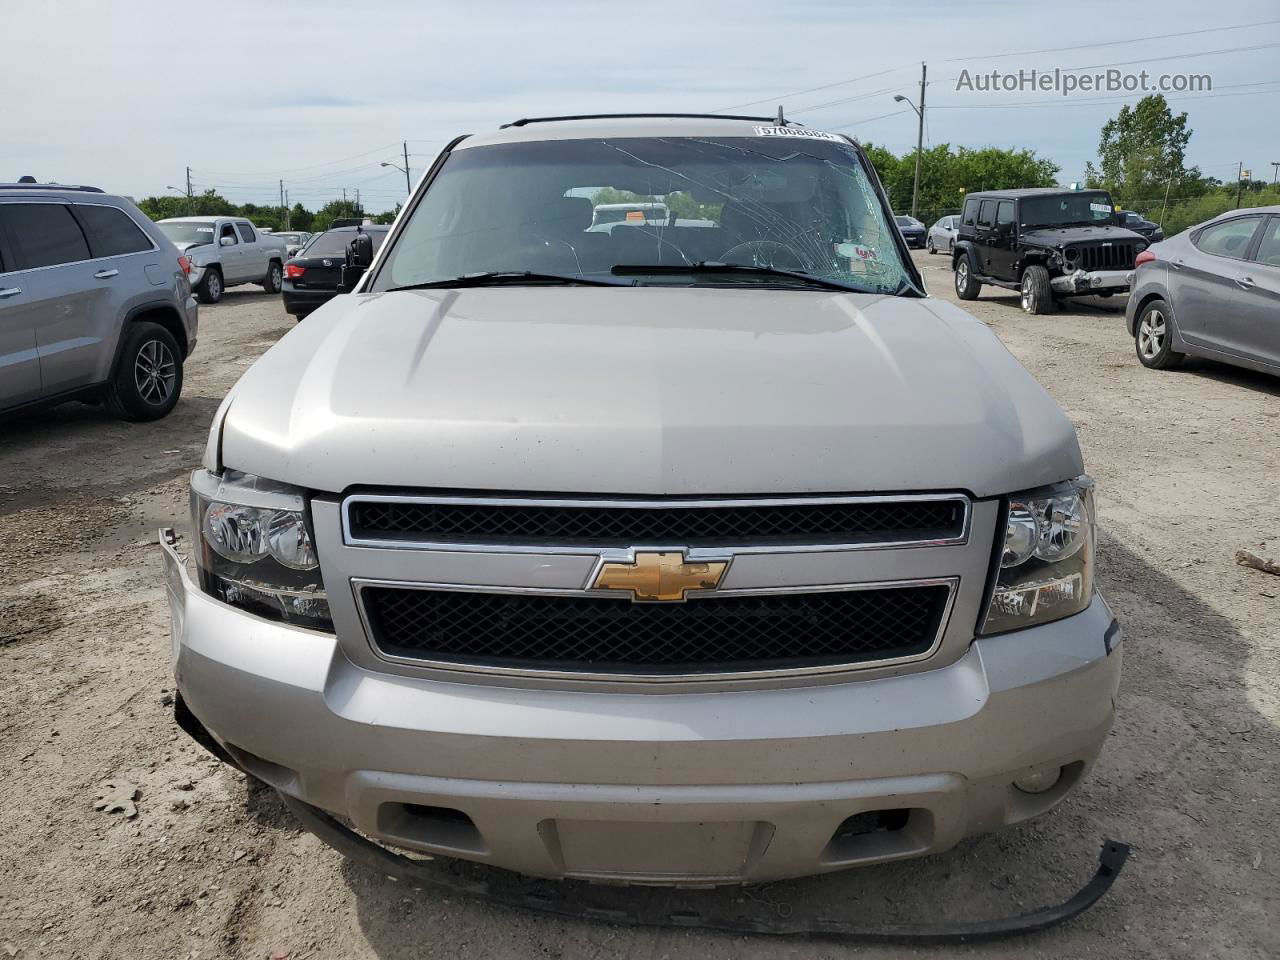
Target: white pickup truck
{"x":225,"y":251}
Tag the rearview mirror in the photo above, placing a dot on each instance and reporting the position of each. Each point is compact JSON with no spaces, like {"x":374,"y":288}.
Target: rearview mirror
{"x":227,"y":241}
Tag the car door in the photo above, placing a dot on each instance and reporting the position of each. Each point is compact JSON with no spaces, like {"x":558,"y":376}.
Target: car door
{"x":1202,"y":280}
{"x":19,"y":361}
{"x":229,"y":254}
{"x":120,"y":253}
{"x":253,"y":252}
{"x":1254,"y":331}
{"x":984,"y":236}
{"x":65,"y":291}
{"x":1004,"y":242}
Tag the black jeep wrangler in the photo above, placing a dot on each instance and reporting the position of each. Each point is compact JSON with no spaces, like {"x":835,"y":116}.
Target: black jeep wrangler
{"x":1047,"y":243}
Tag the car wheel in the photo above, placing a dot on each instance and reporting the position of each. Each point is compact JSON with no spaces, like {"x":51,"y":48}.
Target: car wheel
{"x":932,"y":248}
{"x":966,"y":286}
{"x":210,"y":288}
{"x":148,"y":377}
{"x":1153,"y":337}
{"x":951,"y":246}
{"x":1037,"y":295}
{"x":275,"y":278}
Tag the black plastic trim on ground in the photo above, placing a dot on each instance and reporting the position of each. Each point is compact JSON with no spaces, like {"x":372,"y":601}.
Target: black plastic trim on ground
{"x":568,"y":899}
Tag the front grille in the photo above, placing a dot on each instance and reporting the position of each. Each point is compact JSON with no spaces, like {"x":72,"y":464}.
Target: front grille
{"x":706,"y":524}
{"x":705,"y":635}
{"x":1118,"y":255}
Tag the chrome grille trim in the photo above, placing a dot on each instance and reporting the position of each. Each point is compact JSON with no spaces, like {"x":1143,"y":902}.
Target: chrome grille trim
{"x":693,"y":553}
{"x":638,"y":676}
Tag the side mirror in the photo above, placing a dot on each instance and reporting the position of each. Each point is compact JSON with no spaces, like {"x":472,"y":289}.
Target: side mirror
{"x":359,"y":256}
{"x":227,"y":241}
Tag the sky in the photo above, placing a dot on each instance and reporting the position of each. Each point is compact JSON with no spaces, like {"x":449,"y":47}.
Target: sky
{"x":127,"y":95}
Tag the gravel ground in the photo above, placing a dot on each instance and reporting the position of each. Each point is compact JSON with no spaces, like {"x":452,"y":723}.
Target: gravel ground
{"x":211,"y":865}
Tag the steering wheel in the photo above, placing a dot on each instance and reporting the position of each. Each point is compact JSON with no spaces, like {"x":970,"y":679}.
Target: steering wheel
{"x":765,"y":253}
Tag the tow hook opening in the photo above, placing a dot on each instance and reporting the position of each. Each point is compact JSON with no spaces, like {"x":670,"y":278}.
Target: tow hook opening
{"x":440,"y":828}
{"x":879,"y":833}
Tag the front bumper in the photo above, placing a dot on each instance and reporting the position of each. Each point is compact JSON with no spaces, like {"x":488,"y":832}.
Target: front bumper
{"x":725,"y":787}
{"x":1097,"y":281}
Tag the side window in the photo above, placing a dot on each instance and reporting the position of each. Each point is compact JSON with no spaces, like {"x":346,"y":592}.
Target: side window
{"x":42,"y":235}
{"x":110,"y":231}
{"x":1268,"y":251}
{"x":987,"y":213}
{"x":970,"y":212}
{"x":227,"y":231}
{"x":1230,"y":239}
{"x":1004,"y":213}
{"x":246,"y":232}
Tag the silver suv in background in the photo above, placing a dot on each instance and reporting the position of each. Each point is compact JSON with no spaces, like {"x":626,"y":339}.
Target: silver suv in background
{"x":226,"y":251}
{"x":95,"y":303}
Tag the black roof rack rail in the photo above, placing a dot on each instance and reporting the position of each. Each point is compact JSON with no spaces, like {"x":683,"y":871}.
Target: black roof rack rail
{"x":50,"y":186}
{"x":525,"y":121}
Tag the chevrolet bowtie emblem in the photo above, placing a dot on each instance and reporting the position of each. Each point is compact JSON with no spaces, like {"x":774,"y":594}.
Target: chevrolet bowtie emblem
{"x":659,"y":576}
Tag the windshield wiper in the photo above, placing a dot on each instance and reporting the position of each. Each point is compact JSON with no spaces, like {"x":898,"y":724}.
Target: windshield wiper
{"x":496,"y":278}
{"x":715,"y":267}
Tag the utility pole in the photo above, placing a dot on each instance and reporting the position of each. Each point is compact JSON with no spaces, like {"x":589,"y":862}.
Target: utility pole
{"x":359,"y":212}
{"x":1239,"y":183}
{"x":1275,"y":176}
{"x":915,"y":192}
{"x":284,"y":216}
{"x":191,"y":207}
{"x":286,"y":210}
{"x":1165,"y":207}
{"x":408,"y":185}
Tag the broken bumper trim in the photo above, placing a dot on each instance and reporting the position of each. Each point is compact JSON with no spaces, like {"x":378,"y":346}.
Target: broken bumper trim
{"x":1089,"y":282}
{"x":655,"y":907}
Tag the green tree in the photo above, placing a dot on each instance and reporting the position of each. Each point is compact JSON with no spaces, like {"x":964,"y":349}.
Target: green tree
{"x":947,"y":174}
{"x":1142,"y":153}
{"x":333,"y":210}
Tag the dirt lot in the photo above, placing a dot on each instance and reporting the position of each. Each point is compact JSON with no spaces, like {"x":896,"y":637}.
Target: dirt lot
{"x":212,"y":866}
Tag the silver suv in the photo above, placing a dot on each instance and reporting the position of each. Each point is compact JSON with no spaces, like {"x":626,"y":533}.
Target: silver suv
{"x":702,"y":551}
{"x":95,"y":303}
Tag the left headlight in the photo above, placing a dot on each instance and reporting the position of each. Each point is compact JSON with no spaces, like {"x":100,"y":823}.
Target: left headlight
{"x":256,"y":550}
{"x":1046,"y":564}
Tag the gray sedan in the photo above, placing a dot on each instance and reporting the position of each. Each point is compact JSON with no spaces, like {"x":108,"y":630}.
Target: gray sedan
{"x":942,"y":235}
{"x":1212,"y":291}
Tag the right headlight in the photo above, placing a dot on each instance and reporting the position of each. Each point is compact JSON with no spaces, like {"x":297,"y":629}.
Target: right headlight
{"x":255,"y":548}
{"x":1046,"y":563}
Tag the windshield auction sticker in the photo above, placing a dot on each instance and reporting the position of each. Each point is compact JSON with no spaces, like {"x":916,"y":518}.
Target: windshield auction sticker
{"x":800,"y":132}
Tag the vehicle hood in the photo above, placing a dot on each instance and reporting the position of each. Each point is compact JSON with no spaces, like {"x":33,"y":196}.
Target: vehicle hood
{"x":645,"y":390}
{"x":1060,"y":236}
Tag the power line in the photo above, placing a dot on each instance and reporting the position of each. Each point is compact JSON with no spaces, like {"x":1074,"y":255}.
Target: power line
{"x":1112,"y":43}
{"x":1172,"y":56}
{"x":797,"y":93}
{"x":1070,"y":102}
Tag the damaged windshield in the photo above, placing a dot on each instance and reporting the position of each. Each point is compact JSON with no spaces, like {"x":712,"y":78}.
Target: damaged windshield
{"x":604,"y":209}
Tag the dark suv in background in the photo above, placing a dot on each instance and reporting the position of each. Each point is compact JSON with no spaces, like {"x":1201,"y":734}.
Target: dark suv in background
{"x":1047,"y":243}
{"x":95,"y":303}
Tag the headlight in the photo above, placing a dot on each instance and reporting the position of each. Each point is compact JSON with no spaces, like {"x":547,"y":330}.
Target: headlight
{"x":1046,"y":564}
{"x":256,"y":549}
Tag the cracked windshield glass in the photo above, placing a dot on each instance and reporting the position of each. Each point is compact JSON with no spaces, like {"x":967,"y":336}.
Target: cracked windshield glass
{"x":605,"y":210}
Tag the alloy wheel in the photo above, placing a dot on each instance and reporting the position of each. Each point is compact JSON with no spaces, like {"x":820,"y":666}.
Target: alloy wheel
{"x":1151,"y":333}
{"x":1026,"y":293}
{"x":154,"y":372}
{"x":962,"y":275}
